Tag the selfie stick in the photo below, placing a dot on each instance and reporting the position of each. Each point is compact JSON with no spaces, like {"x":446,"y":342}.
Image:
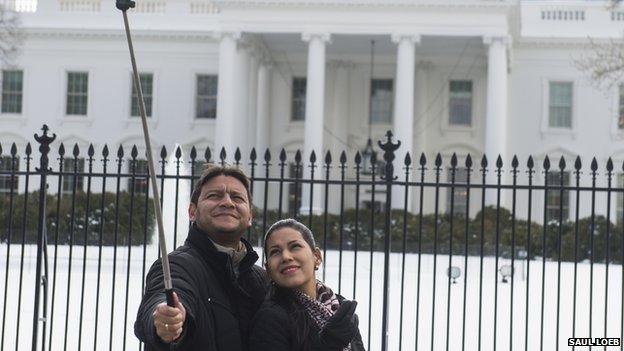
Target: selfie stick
{"x":124,"y":5}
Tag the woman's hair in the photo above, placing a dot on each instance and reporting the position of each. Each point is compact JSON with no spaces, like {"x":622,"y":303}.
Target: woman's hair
{"x":284,"y":297}
{"x":305,"y":232}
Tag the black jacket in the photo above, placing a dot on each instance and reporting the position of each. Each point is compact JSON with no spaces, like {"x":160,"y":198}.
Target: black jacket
{"x":219,"y":306}
{"x":273,"y":330}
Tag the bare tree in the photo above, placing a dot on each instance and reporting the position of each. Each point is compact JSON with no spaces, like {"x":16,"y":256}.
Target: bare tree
{"x":11,"y":35}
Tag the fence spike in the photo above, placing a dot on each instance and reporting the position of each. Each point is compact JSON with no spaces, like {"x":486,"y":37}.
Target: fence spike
{"x":282,"y":155}
{"x":484,"y":162}
{"x":13,"y":149}
{"x":358,"y":158}
{"x":0,"y":149}
{"x":207,"y":154}
{"x":577,"y":163}
{"x":594,"y":165}
{"x":178,"y":152}
{"x":610,"y":165}
{"x":61,"y":150}
{"x":193,"y":154}
{"x":90,"y":151}
{"x":252,"y":155}
{"x":499,"y":162}
{"x":562,"y":163}
{"x":28,"y":149}
{"x":408,"y":160}
{"x":163,"y":152}
{"x":120,"y":152}
{"x":222,"y":155}
{"x":298,"y":156}
{"x":454,"y":160}
{"x":514,"y":162}
{"x":468,"y":161}
{"x":546,"y":163}
{"x":76,"y":150}
{"x":423,"y":160}
{"x":267,"y":155}
{"x":313,"y":157}
{"x":328,"y":158}
{"x":105,"y":151}
{"x":134,"y":152}
{"x":530,"y":163}
{"x":237,"y":156}
{"x":438,"y":160}
{"x":343,"y":157}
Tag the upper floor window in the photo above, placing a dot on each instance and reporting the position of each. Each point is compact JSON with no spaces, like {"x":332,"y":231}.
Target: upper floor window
{"x":298,"y":99}
{"x":557,"y":202}
{"x":138,"y":182}
{"x":621,"y":106}
{"x":77,"y":93}
{"x":460,"y":102}
{"x":381,"y":101}
{"x":460,"y":192}
{"x":75,"y":172}
{"x":206,"y":98}
{"x":12,"y":86}
{"x":147,"y":80}
{"x":8,"y":182}
{"x":560,"y":105}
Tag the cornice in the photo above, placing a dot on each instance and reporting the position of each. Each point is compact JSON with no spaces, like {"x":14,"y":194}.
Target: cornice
{"x":208,"y":35}
{"x":476,"y":4}
{"x":532,"y":42}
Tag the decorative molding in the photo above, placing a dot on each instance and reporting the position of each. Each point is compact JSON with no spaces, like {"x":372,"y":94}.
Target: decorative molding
{"x":412,"y":38}
{"x":503,"y":4}
{"x":340,"y":64}
{"x":309,"y":36}
{"x":118,"y":34}
{"x":504,"y":39}
{"x":234,"y":35}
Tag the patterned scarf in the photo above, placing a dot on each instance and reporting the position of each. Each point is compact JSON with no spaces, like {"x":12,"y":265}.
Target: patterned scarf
{"x":321,"y":308}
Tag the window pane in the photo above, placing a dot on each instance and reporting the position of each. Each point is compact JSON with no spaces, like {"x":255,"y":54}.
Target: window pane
{"x":294,"y":192}
{"x":460,"y":194}
{"x":560,"y":105}
{"x":7,"y":165}
{"x":12,"y":83}
{"x":77,"y":93}
{"x":68,"y":179}
{"x":206,"y":98}
{"x":619,"y":212}
{"x":298,"y":99}
{"x":621,"y":107}
{"x":140,"y":170}
{"x":381,"y":101}
{"x":146,"y":88}
{"x":558,"y":206}
{"x":460,"y":102}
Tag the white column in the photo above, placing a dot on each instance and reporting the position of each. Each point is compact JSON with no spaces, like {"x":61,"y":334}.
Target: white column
{"x":232,"y":89}
{"x":403,"y":123}
{"x":253,"y":103}
{"x":263,"y":124}
{"x":496,"y":113}
{"x":314,"y":115}
{"x":420,"y":132}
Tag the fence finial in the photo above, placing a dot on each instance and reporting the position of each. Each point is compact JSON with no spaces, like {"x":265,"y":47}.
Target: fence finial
{"x":44,"y":147}
{"x":389,"y":148}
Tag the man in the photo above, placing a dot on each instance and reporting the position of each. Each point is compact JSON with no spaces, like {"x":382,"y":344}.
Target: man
{"x":218,"y":288}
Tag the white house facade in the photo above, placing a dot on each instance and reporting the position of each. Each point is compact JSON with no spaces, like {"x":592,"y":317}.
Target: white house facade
{"x":478,"y":77}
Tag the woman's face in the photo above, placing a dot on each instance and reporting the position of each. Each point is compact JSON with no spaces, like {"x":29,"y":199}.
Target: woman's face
{"x":291,"y":261}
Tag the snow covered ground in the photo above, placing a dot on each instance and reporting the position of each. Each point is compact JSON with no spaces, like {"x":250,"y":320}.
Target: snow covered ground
{"x":113,"y":333}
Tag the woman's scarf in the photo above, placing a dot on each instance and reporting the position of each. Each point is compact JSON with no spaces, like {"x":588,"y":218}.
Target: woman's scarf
{"x":322,"y":308}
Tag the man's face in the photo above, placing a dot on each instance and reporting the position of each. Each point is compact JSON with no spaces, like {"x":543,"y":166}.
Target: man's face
{"x":223,"y":209}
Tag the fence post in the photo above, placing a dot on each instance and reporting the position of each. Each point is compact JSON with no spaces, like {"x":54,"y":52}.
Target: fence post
{"x":389,"y":148}
{"x":44,"y":147}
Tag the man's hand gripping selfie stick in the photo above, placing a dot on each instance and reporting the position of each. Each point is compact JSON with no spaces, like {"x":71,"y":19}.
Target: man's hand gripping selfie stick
{"x":124,"y":5}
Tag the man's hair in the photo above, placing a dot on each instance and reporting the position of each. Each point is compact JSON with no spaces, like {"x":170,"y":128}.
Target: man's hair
{"x":212,"y":171}
{"x":305,"y":232}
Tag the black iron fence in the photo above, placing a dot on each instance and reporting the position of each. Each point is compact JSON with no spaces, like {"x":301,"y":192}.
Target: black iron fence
{"x":444,"y":255}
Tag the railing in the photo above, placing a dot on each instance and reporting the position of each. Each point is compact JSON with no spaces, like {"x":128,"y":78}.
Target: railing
{"x":457,"y":271}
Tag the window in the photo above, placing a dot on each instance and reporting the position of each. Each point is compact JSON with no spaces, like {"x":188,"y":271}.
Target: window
{"x":460,"y":193}
{"x":621,"y":107}
{"x":555,"y":200}
{"x":77,"y":93}
{"x":68,"y":179}
{"x":140,"y":170}
{"x":147,"y":80}
{"x":376,"y":207}
{"x":460,"y":102}
{"x":298,"y":99}
{"x":560,"y":105}
{"x":381,"y":101}
{"x":206,"y":98}
{"x":6,"y":166}
{"x":619,"y":206}
{"x":12,"y":85}
{"x":294,"y":192}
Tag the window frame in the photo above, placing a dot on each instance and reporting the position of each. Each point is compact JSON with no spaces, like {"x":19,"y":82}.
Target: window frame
{"x":197,"y":96}
{"x":67,"y":181}
{"x":391,"y":102}
{"x":86,"y":94}
{"x":6,"y":165}
{"x":20,"y":93}
{"x":554,"y":192}
{"x":148,"y":98}
{"x":546,"y":129}
{"x":472,"y":103}
{"x":459,"y":185}
{"x":294,"y":100}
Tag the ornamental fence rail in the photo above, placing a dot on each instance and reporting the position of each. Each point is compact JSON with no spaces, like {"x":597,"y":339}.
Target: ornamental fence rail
{"x":443,"y":254}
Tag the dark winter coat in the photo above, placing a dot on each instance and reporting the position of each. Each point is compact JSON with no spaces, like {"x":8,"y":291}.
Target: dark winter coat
{"x":273,"y":330}
{"x":219,"y":306}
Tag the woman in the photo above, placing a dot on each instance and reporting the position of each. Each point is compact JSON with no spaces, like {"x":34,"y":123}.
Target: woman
{"x":301,"y":313}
